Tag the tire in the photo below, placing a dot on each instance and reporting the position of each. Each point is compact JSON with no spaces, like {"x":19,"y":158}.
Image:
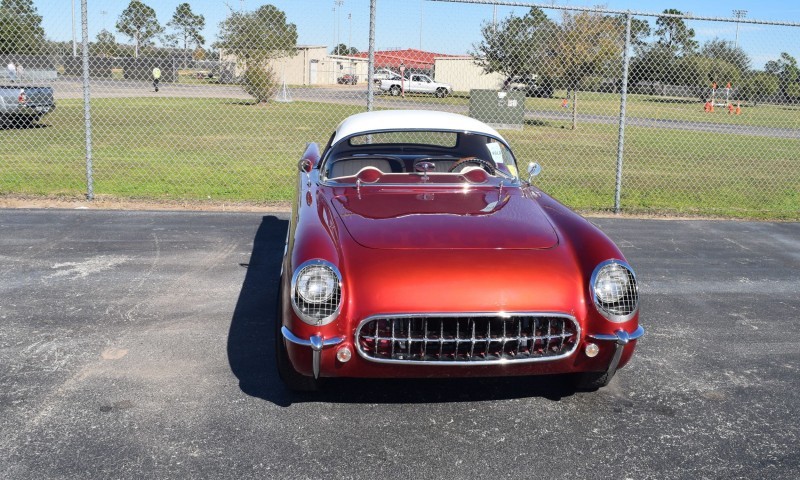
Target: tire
{"x":293,"y":380}
{"x":441,"y":92}
{"x":395,"y":91}
{"x":591,"y":381}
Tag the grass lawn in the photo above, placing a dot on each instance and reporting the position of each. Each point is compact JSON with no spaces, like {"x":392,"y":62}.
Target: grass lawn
{"x":646,"y":106}
{"x":178,"y":148}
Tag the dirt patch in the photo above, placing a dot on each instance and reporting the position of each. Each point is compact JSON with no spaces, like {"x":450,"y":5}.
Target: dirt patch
{"x":103,"y":202}
{"x":108,"y":202}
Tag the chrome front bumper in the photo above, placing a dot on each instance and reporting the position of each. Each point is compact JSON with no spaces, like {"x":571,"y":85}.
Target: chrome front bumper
{"x":316,"y":342}
{"x":621,"y":338}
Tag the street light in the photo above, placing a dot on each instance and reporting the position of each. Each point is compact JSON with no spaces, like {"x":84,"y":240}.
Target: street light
{"x":337,"y":27}
{"x":739,"y":14}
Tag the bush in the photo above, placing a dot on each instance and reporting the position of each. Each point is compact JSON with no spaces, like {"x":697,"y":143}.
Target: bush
{"x":259,"y":82}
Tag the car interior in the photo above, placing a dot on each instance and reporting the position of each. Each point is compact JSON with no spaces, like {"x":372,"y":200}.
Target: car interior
{"x":347,"y":159}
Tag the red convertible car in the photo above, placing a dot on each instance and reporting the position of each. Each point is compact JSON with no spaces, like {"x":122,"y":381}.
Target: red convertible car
{"x":416,"y":248}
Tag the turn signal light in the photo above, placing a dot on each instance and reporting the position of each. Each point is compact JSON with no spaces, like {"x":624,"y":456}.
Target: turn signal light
{"x":344,"y":355}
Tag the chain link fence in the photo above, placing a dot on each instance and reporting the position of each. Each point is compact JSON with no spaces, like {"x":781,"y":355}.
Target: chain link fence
{"x":631,"y":111}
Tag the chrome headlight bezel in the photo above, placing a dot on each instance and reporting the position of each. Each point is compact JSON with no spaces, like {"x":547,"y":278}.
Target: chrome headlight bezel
{"x":325,"y":311}
{"x":626,"y":306}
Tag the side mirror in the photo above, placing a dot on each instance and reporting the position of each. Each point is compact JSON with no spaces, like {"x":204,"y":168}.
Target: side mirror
{"x":311,"y":155}
{"x":305,"y":165}
{"x":534,"y":169}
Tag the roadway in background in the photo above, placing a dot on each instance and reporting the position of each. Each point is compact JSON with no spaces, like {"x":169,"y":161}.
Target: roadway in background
{"x":357,"y":95}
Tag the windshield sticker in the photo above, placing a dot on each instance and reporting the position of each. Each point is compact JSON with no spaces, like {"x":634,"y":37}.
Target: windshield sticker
{"x":496,"y":152}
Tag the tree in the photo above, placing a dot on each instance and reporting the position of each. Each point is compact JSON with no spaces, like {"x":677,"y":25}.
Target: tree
{"x":21,"y":30}
{"x":723,"y":50}
{"x":199,"y":53}
{"x":701,"y":72}
{"x":188,"y":26}
{"x":517,"y":45}
{"x":586,"y":44}
{"x":758,"y":86}
{"x":255,"y":38}
{"x":343,"y":49}
{"x":138,"y":21}
{"x":788,"y":73}
{"x":655,"y":64}
{"x":105,"y":45}
{"x":674,"y":34}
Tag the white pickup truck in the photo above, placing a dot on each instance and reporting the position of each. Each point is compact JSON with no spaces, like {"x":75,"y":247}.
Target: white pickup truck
{"x":416,"y":83}
{"x":22,"y":105}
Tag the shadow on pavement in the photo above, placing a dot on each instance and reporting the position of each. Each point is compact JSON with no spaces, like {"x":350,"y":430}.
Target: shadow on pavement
{"x":251,"y":353}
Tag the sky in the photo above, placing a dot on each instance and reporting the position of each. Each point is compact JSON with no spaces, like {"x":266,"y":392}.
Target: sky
{"x":450,"y":28}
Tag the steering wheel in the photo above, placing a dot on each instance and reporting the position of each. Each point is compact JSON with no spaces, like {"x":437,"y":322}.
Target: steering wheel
{"x":475,"y":161}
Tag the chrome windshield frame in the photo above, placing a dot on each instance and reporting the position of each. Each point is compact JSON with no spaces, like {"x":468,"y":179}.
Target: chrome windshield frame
{"x":507,"y":181}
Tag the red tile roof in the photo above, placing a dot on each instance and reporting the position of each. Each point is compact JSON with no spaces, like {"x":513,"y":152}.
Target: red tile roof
{"x":412,"y":58}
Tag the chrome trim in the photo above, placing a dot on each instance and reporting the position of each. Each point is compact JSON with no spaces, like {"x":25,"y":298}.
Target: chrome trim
{"x":316,"y":342}
{"x":305,"y":318}
{"x":622,"y":338}
{"x":593,"y":278}
{"x":326,"y":342}
{"x":506,"y":315}
{"x":333,"y":183}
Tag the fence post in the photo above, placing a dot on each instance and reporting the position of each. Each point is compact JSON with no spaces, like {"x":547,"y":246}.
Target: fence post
{"x":86,"y":104}
{"x":622,"y":107}
{"x":371,"y":61}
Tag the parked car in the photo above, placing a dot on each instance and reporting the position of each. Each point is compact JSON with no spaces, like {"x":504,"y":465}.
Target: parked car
{"x":347,"y":79}
{"x":417,"y":249}
{"x":530,"y":85}
{"x":384,"y":74}
{"x":22,"y":105}
{"x":416,"y":83}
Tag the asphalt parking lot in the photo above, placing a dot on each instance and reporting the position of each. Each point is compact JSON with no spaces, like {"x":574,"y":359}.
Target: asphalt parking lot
{"x":139,"y":345}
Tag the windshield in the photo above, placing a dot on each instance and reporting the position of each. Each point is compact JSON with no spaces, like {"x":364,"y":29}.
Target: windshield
{"x":412,"y":156}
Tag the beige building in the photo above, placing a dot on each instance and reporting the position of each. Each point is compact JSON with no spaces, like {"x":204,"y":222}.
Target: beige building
{"x":328,"y":70}
{"x":295,"y":70}
{"x":311,"y":65}
{"x":464,"y":75}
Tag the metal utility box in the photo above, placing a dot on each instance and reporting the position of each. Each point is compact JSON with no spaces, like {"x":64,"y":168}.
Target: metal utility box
{"x":500,"y":109}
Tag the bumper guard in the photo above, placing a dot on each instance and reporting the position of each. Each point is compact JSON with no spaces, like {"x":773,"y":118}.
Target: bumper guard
{"x":316,"y":342}
{"x":621,"y":338}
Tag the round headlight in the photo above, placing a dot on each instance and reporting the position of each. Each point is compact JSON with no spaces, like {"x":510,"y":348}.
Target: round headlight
{"x":316,"y":292}
{"x":614,"y":290}
{"x":611,"y":283}
{"x":316,"y":284}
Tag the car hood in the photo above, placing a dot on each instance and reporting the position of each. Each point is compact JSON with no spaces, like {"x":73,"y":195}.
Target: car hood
{"x":456,"y":219}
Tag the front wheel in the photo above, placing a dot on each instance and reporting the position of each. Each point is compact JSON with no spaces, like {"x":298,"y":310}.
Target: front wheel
{"x":291,"y":378}
{"x":591,"y":381}
{"x":395,"y":91}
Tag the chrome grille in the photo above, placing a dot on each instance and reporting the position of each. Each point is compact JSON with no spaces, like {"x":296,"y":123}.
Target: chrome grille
{"x":462,"y":339}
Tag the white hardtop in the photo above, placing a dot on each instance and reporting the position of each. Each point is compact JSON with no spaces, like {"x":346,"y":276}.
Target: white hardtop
{"x":424,"y":120}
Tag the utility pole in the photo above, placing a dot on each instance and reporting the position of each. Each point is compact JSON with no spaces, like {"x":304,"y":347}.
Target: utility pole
{"x":350,"y":35}
{"x":420,"y":23}
{"x":739,"y":14}
{"x":74,"y":42}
